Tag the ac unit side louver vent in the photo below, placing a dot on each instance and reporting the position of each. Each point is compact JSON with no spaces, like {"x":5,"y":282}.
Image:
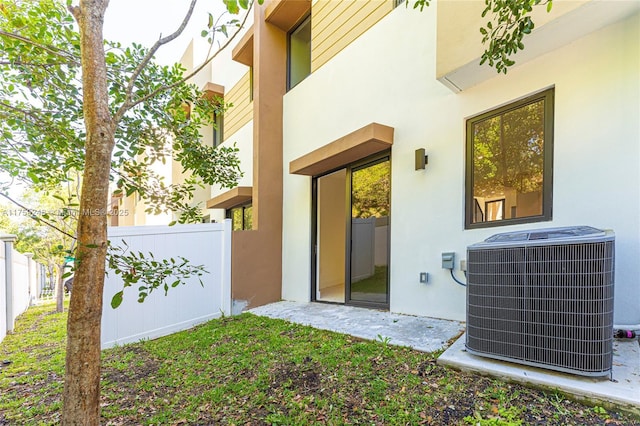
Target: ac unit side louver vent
{"x":543,"y":298}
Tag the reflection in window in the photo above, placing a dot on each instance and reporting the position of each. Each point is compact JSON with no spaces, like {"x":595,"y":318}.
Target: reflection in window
{"x":509,"y":154}
{"x":299,"y":55}
{"x":241,"y":217}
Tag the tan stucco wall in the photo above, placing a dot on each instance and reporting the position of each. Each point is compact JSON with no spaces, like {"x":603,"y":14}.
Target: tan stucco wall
{"x":256,"y":267}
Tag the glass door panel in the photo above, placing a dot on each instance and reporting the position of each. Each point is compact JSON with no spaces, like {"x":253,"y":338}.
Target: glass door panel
{"x":369,"y":260}
{"x":331,"y":224}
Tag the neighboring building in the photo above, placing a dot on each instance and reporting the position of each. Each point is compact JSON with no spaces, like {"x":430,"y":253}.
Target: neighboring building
{"x":332,"y":102}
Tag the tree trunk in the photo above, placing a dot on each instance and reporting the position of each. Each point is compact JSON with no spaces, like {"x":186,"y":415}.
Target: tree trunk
{"x":59,"y":290}
{"x":81,"y":398}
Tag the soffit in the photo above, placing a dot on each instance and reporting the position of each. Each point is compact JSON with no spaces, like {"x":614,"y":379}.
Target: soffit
{"x":368,"y":140}
{"x":458,"y":51}
{"x":212,"y":89}
{"x":243,"y":52}
{"x":284,"y":14}
{"x":233,"y":197}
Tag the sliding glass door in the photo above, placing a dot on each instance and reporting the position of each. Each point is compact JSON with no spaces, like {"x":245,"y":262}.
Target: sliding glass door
{"x":351,"y":234}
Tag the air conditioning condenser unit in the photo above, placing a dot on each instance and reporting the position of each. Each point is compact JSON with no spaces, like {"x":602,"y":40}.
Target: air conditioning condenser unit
{"x":543,"y":298}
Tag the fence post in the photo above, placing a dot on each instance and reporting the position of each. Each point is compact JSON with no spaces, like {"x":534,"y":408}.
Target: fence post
{"x":227,"y":303}
{"x":8,"y":240}
{"x":31,"y":273}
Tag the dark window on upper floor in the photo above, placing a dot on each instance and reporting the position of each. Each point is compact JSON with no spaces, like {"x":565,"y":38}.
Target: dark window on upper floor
{"x":299,"y":53}
{"x":217,"y":130}
{"x":510,"y":163}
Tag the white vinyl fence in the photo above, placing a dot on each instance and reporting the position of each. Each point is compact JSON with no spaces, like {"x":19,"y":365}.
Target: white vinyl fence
{"x":185,"y":305}
{"x":19,"y":278}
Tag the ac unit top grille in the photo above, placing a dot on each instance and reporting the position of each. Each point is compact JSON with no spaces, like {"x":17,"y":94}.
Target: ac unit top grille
{"x":565,"y":235}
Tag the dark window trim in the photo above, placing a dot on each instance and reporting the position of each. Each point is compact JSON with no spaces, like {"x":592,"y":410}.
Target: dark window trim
{"x":293,"y":30}
{"x":548,"y":96}
{"x":229,"y":215}
{"x":218,"y":130}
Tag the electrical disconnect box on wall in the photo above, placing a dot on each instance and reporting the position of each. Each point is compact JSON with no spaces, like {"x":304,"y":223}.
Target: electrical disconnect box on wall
{"x":448,"y":260}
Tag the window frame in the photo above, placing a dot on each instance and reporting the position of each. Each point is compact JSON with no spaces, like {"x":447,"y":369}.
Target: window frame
{"x":293,"y":30}
{"x":548,"y":96}
{"x":218,"y":129}
{"x":228,"y":214}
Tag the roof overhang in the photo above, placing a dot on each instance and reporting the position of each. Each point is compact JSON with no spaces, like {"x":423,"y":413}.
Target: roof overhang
{"x":459,"y":47}
{"x":285,"y":14}
{"x":368,"y":140}
{"x":233,"y":197}
{"x":243,"y":52}
{"x":212,"y":89}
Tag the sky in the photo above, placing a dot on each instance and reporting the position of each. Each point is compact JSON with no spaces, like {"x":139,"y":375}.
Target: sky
{"x":144,"y":21}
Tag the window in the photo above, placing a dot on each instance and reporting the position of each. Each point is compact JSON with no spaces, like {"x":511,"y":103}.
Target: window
{"x":241,"y":217}
{"x":299,"y":53}
{"x":217,"y":130}
{"x":509,"y":163}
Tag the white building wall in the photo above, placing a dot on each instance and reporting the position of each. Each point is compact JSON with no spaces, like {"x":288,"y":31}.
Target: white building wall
{"x":243,"y":139}
{"x":387,"y":76}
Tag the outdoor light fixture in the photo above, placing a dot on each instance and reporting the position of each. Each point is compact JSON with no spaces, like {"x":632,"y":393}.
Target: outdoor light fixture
{"x":421,"y":159}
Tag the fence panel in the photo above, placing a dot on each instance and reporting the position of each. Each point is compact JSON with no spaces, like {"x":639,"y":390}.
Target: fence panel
{"x":3,"y":293}
{"x":185,"y":305}
{"x":20,"y":282}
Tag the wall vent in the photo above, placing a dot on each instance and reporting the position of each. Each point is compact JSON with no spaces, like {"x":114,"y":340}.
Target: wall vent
{"x":543,"y":298}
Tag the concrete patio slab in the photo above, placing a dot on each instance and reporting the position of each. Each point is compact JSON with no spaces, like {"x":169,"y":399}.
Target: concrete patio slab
{"x":420,"y":333}
{"x":623,"y":390}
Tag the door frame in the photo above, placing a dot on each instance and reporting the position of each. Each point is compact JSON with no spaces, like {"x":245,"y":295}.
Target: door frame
{"x":357,"y":165}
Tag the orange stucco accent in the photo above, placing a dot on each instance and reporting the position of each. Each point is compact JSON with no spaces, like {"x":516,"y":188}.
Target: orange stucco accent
{"x":212,"y":89}
{"x":243,"y":52}
{"x":256,"y":265}
{"x":284,"y":14}
{"x":367,"y":140}
{"x":233,"y":197}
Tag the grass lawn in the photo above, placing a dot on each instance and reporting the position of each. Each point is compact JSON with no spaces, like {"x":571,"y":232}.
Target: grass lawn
{"x":377,"y":283}
{"x":253,"y":370}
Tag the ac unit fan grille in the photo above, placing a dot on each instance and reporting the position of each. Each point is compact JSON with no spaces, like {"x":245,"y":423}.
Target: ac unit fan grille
{"x":544,"y":305}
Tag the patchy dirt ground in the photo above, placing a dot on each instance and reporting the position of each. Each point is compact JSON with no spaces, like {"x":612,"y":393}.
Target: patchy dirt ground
{"x":249,"y":370}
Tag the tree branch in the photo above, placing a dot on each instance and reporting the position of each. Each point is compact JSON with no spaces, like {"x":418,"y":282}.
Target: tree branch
{"x":35,"y":217}
{"x":125,"y":107}
{"x":136,"y":73}
{"x":53,"y":50}
{"x":25,"y":112}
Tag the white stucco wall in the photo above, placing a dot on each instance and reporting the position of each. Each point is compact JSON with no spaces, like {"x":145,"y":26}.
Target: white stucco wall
{"x":243,"y":139}
{"x":388,"y":76}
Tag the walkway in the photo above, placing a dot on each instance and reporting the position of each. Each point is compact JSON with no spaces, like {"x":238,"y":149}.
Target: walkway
{"x":421,"y":333}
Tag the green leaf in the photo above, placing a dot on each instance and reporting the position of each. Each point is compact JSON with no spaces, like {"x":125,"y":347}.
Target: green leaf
{"x":210,"y":23}
{"x":232,"y":6}
{"x":244,"y":4}
{"x":116,"y":300}
{"x":549,"y":6}
{"x":204,"y":33}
